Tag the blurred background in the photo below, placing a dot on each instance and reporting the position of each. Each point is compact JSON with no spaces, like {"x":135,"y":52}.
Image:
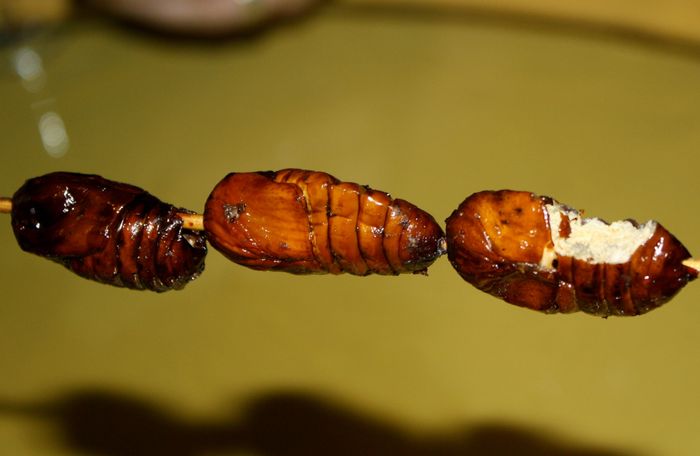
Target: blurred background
{"x":594,"y":103}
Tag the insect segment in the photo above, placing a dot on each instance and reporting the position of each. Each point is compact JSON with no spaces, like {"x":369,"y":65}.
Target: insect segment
{"x":534,"y":252}
{"x":106,"y":231}
{"x":309,"y":222}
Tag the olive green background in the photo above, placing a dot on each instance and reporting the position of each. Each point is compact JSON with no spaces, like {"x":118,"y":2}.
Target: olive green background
{"x":427,"y":107}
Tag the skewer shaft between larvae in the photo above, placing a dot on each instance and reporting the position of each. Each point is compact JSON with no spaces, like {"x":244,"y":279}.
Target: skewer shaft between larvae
{"x":5,"y":205}
{"x":193,"y":222}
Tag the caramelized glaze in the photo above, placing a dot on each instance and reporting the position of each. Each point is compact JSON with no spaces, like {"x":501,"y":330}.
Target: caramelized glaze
{"x":305,"y":222}
{"x":106,"y":231}
{"x":496,"y":241}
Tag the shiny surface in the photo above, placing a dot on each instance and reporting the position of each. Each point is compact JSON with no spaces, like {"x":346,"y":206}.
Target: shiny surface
{"x":431,"y":109}
{"x":106,"y":231}
{"x":496,"y":241}
{"x":203,"y":17}
{"x":307,"y":222}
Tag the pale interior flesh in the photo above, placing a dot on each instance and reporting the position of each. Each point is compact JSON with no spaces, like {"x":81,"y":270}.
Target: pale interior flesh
{"x":593,"y":240}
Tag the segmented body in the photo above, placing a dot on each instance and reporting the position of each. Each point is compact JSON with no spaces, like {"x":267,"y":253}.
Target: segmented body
{"x":304,"y":222}
{"x":496,"y":241}
{"x":106,"y":231}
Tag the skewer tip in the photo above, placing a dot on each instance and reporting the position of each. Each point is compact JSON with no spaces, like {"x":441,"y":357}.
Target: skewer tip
{"x":692,"y":263}
{"x":5,"y":205}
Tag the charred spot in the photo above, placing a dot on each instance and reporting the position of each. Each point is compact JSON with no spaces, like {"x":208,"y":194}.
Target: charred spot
{"x":564,"y":227}
{"x":555,"y":263}
{"x":233,"y":211}
{"x":377,"y":230}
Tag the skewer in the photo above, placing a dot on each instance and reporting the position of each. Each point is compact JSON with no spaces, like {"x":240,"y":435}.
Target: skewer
{"x":692,"y":263}
{"x":192,"y":222}
{"x":195,"y":222}
{"x":5,"y":205}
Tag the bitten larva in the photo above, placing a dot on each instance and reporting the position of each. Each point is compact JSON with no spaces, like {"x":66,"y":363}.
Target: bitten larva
{"x":106,"y":231}
{"x":310,"y":222}
{"x":533,"y":252}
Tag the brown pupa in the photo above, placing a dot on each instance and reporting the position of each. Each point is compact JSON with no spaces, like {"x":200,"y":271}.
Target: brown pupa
{"x":307,"y":222}
{"x":107,"y":231}
{"x":513,"y":245}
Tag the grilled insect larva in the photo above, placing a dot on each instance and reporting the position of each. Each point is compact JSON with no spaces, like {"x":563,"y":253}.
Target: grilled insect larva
{"x":309,"y":222}
{"x":106,"y":231}
{"x":534,"y":252}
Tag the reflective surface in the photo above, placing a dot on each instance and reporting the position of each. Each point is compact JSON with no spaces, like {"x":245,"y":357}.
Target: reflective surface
{"x":509,"y":244}
{"x":309,"y":222}
{"x":107,"y":231}
{"x":426,"y":109}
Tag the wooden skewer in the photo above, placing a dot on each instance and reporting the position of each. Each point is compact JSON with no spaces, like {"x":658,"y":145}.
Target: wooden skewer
{"x":692,"y":263}
{"x":195,"y":222}
{"x":192,"y":222}
{"x":5,"y":205}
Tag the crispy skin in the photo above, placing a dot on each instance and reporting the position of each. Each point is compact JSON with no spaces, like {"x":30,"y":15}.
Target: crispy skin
{"x":106,"y":231}
{"x":495,"y":241}
{"x":307,"y":222}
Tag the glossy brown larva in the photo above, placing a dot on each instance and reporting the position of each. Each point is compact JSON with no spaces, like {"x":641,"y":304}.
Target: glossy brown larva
{"x":106,"y":231}
{"x":534,"y":252}
{"x":310,"y":222}
{"x":526,"y":249}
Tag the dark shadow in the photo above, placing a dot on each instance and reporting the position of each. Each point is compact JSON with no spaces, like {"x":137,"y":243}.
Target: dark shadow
{"x":523,"y":20}
{"x":251,"y":33}
{"x":105,"y":423}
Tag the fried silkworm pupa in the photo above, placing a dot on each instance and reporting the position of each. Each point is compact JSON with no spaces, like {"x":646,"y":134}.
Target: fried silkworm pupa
{"x":534,"y":252}
{"x":106,"y":231}
{"x":307,"y":222}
